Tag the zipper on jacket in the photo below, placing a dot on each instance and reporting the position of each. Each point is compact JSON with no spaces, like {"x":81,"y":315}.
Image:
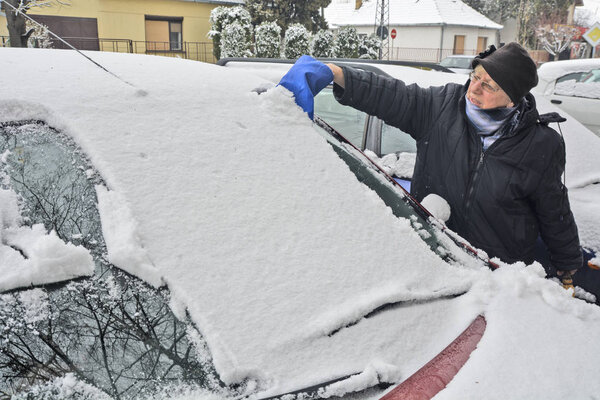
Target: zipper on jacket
{"x":471,"y":187}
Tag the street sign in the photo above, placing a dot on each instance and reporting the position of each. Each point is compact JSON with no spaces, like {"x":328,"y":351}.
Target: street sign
{"x":592,"y":35}
{"x":393,"y":33}
{"x":382,"y":32}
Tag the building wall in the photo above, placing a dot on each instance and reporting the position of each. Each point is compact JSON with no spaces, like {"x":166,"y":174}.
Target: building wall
{"x":422,"y":43}
{"x":125,"y":19}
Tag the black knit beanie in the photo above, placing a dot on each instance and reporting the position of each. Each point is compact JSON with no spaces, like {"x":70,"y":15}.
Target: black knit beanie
{"x":511,"y":68}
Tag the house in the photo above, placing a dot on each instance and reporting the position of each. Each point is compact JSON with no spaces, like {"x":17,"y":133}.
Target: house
{"x":165,"y":27}
{"x":425,"y":30}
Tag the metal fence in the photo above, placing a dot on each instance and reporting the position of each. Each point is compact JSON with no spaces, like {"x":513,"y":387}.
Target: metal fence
{"x":203,"y":51}
{"x":423,"y":55}
{"x":198,"y":51}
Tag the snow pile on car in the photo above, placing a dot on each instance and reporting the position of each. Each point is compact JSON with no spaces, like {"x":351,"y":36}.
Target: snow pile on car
{"x":33,"y":256}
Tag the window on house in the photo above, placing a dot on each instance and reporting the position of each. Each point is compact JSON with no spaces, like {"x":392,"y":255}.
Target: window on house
{"x":459,"y":44}
{"x":481,"y":44}
{"x":163,"y":33}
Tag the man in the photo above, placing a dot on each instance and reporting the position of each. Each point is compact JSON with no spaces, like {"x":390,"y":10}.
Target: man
{"x":485,"y":149}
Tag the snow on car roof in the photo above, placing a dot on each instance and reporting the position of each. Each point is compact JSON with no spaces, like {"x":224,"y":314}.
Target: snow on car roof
{"x":271,"y":244}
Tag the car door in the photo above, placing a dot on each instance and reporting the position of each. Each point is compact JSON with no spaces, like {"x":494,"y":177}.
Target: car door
{"x":579,"y":95}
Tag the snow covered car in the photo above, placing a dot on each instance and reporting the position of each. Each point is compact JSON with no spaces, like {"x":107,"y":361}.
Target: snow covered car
{"x":235,"y":252}
{"x":574,"y":86}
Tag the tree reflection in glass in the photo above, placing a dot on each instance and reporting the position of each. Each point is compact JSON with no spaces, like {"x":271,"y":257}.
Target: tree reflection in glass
{"x":111,"y":332}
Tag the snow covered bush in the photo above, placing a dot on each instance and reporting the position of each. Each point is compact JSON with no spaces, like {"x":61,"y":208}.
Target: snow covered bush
{"x":221,"y":17}
{"x":268,"y":40}
{"x":368,"y":47}
{"x":235,"y":41}
{"x":322,"y":44}
{"x":40,"y":37}
{"x":346,"y":43}
{"x":296,"y":41}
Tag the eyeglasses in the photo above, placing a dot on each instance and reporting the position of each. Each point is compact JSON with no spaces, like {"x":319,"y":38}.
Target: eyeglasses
{"x":484,"y":85}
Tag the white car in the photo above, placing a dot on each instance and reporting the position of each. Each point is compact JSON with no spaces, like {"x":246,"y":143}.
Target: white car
{"x":573,"y":86}
{"x":461,"y":64}
{"x":169,"y":232}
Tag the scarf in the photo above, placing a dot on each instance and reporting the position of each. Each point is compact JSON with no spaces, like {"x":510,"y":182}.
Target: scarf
{"x":488,"y":123}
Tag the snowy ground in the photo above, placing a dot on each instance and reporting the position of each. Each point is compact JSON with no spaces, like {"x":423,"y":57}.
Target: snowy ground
{"x":264,"y":236}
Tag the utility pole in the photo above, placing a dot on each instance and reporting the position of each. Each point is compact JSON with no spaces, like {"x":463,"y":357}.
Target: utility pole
{"x":382,"y":27}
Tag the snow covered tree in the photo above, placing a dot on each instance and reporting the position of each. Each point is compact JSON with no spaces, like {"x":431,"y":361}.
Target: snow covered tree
{"x":40,"y":36}
{"x":368,"y":47}
{"x":288,"y":12}
{"x":296,"y":41}
{"x":322,"y":44}
{"x":221,"y":17}
{"x":346,"y":43}
{"x":235,"y":41}
{"x":497,"y":10}
{"x":555,"y":41}
{"x":15,"y":11}
{"x":268,"y":40}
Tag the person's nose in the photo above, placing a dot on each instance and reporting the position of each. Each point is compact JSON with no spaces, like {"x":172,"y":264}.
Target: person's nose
{"x":476,"y":86}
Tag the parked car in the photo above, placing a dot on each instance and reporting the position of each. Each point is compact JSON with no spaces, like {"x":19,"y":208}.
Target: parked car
{"x":573,"y":86}
{"x":461,"y":64}
{"x":239,"y":250}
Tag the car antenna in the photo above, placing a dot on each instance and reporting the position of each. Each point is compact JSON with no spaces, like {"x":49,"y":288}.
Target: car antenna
{"x":68,"y":44}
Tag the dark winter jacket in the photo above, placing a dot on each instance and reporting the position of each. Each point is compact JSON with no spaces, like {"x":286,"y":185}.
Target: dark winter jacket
{"x":500,"y":199}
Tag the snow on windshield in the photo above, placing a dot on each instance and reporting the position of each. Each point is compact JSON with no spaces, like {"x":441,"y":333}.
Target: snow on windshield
{"x":33,"y":256}
{"x":274,"y":248}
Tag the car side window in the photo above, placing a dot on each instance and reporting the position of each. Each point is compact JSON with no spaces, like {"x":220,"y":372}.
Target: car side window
{"x":393,"y":140}
{"x":347,"y":120}
{"x":579,"y":84}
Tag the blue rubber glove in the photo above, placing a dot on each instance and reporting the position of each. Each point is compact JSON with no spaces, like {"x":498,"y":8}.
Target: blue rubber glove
{"x":305,"y":79}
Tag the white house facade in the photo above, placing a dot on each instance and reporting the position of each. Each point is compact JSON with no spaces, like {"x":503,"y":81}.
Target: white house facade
{"x":425,"y":30}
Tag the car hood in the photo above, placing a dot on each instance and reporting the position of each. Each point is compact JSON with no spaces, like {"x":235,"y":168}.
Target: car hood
{"x":270,"y":243}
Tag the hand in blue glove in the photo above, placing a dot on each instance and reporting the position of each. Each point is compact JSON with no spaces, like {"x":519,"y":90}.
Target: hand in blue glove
{"x":305,"y":79}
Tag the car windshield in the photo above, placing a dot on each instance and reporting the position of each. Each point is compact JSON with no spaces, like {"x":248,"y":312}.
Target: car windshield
{"x":457,"y":62}
{"x":343,"y":118}
{"x":110,"y":330}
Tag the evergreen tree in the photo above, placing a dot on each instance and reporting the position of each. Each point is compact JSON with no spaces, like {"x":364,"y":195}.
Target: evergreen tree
{"x":346,"y":43}
{"x":235,"y":41}
{"x":322,"y":44}
{"x":288,"y":12}
{"x":222,"y":16}
{"x":268,"y":40}
{"x":296,"y":41}
{"x":368,"y":47}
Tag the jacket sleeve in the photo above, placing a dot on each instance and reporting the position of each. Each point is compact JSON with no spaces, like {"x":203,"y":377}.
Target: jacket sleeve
{"x":557,"y":224}
{"x":407,"y":107}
